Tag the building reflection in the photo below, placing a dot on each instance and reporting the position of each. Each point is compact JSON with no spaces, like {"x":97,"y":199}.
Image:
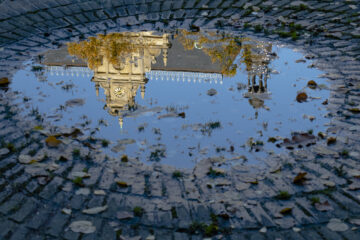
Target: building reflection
{"x":121,"y":64}
{"x":232,"y":52}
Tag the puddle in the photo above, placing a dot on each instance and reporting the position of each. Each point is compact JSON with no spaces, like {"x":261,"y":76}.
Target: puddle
{"x":178,"y":98}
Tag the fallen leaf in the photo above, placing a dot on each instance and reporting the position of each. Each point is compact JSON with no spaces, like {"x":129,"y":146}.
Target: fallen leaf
{"x":354,"y":186}
{"x":337,"y":225}
{"x":75,"y":102}
{"x":354,"y":110}
{"x":300,"y":178}
{"x":286,"y":211}
{"x":122,"y":184}
{"x":74,"y":133}
{"x":4,"y":81}
{"x":323,"y":206}
{"x":301,"y":97}
{"x":51,"y":141}
{"x":331,"y":140}
{"x":95,"y":210}
{"x":211,"y":92}
{"x":355,"y":221}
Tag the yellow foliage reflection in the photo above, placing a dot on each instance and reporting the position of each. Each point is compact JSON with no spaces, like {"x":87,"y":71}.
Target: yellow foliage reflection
{"x":225,"y":49}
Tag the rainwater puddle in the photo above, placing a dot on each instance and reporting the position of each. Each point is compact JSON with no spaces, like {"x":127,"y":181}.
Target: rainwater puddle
{"x":179,"y":98}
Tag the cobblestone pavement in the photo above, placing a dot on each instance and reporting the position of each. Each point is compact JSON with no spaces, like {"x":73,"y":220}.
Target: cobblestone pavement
{"x":129,"y":200}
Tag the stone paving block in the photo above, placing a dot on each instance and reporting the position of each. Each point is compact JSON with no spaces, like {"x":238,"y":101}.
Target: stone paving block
{"x":39,"y":218}
{"x":6,"y":227}
{"x":245,"y":219}
{"x":56,"y":224}
{"x":326,"y":233}
{"x":346,"y":202}
{"x":51,"y":188}
{"x":20,"y":233}
{"x":12,"y":203}
{"x":26,"y":209}
{"x":261,"y":216}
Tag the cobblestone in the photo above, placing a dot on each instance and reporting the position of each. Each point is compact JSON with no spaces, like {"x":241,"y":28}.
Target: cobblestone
{"x":32,"y":204}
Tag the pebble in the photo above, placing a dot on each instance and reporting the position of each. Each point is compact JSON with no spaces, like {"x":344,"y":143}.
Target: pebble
{"x":82,"y":227}
{"x":4,"y":151}
{"x":263,"y":230}
{"x":66,"y":211}
{"x":83,"y":191}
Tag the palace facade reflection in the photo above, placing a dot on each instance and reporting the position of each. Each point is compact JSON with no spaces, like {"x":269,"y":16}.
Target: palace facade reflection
{"x":121,"y":72}
{"x":122,"y":63}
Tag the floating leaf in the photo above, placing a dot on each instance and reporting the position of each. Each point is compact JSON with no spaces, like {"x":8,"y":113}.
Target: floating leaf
{"x":122,"y":184}
{"x":286,"y":211}
{"x":354,"y":110}
{"x":75,"y":102}
{"x":300,"y":178}
{"x":331,"y":140}
{"x":38,"y":128}
{"x":33,"y":161}
{"x":211,"y":92}
{"x":182,"y":115}
{"x":312,"y":84}
{"x":301,"y":97}
{"x":323,"y":206}
{"x":74,"y":133}
{"x":4,"y":81}
{"x":51,"y":141}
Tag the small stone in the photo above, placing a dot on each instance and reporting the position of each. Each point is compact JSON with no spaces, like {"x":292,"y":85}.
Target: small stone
{"x":99,"y":192}
{"x":263,"y":230}
{"x":25,"y":159}
{"x":83,"y":191}
{"x":66,"y":211}
{"x":337,"y":225}
{"x":82,"y":227}
{"x":95,"y":210}
{"x":4,"y":151}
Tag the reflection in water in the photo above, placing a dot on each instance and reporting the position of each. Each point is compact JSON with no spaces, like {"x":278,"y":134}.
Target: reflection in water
{"x":198,"y":90}
{"x":120,"y":64}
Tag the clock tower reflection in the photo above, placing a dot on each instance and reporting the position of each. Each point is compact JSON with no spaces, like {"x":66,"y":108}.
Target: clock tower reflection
{"x":123,"y":73}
